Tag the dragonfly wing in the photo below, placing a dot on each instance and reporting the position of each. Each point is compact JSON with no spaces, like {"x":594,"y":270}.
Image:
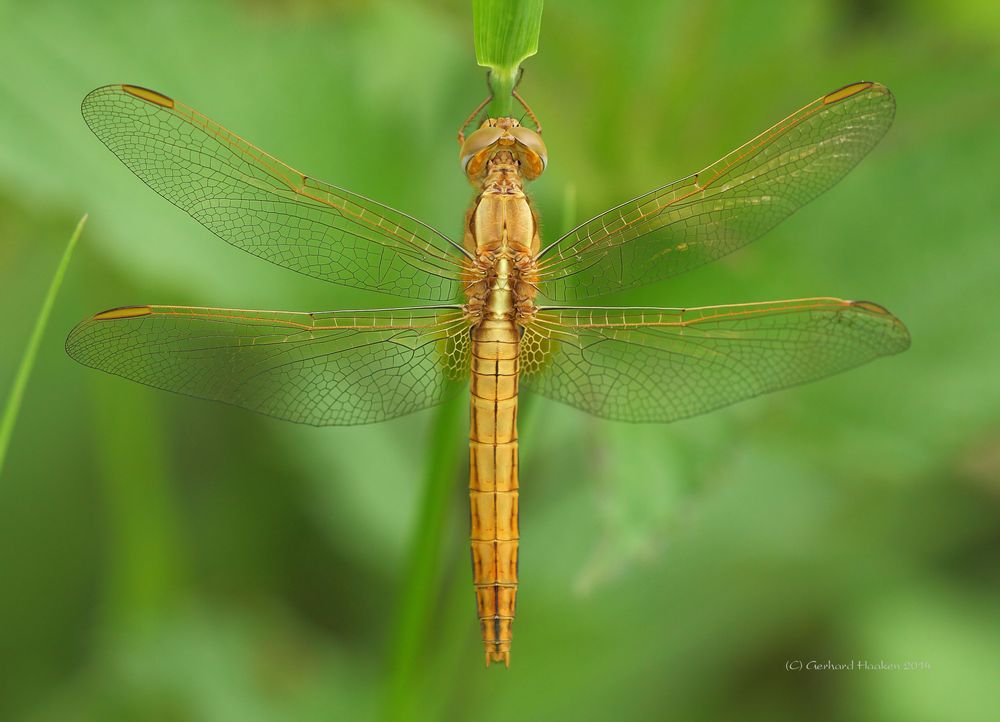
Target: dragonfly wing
{"x":332,"y":368}
{"x":662,"y":364}
{"x":255,"y":202}
{"x":723,"y":207}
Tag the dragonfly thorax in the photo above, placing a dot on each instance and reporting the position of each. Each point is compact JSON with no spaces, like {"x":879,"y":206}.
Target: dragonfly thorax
{"x":520,"y":147}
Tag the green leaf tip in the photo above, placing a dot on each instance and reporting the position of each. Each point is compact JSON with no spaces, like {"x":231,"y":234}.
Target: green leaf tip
{"x":13,"y":405}
{"x":506,"y":33}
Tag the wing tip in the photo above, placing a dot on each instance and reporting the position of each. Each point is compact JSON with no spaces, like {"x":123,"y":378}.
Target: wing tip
{"x":91,"y":110}
{"x":877,"y":309}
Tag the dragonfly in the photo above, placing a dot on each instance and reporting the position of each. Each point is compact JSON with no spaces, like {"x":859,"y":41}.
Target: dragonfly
{"x":486,"y":312}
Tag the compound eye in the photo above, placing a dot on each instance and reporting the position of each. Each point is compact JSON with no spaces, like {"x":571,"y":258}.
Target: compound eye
{"x":477,"y":141}
{"x":532,"y":141}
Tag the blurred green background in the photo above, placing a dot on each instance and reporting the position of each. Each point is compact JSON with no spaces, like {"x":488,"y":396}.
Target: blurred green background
{"x":163,"y":558}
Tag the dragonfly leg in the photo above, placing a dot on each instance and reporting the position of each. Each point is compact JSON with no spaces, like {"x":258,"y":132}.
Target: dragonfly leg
{"x":474,"y":113}
{"x":531,"y":113}
{"x":473,"y":308}
{"x":524,"y":287}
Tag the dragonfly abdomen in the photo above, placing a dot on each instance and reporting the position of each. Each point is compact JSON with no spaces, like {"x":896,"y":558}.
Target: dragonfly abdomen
{"x":493,"y":481}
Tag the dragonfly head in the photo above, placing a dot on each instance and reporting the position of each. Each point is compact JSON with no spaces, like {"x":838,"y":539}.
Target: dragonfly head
{"x":504,"y":134}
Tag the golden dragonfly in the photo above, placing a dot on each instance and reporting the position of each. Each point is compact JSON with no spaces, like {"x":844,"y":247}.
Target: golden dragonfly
{"x":364,"y":366}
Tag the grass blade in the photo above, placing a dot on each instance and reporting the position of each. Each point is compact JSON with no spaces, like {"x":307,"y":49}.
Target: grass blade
{"x":416,"y":599}
{"x":13,"y":405}
{"x":506,"y":33}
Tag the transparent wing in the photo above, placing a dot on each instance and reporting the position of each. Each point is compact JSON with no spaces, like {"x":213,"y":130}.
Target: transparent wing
{"x":255,"y":202}
{"x":332,"y":368}
{"x":662,"y":364}
{"x":723,"y":207}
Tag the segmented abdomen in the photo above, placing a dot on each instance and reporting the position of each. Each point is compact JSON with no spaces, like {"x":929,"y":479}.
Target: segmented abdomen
{"x":493,"y":481}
